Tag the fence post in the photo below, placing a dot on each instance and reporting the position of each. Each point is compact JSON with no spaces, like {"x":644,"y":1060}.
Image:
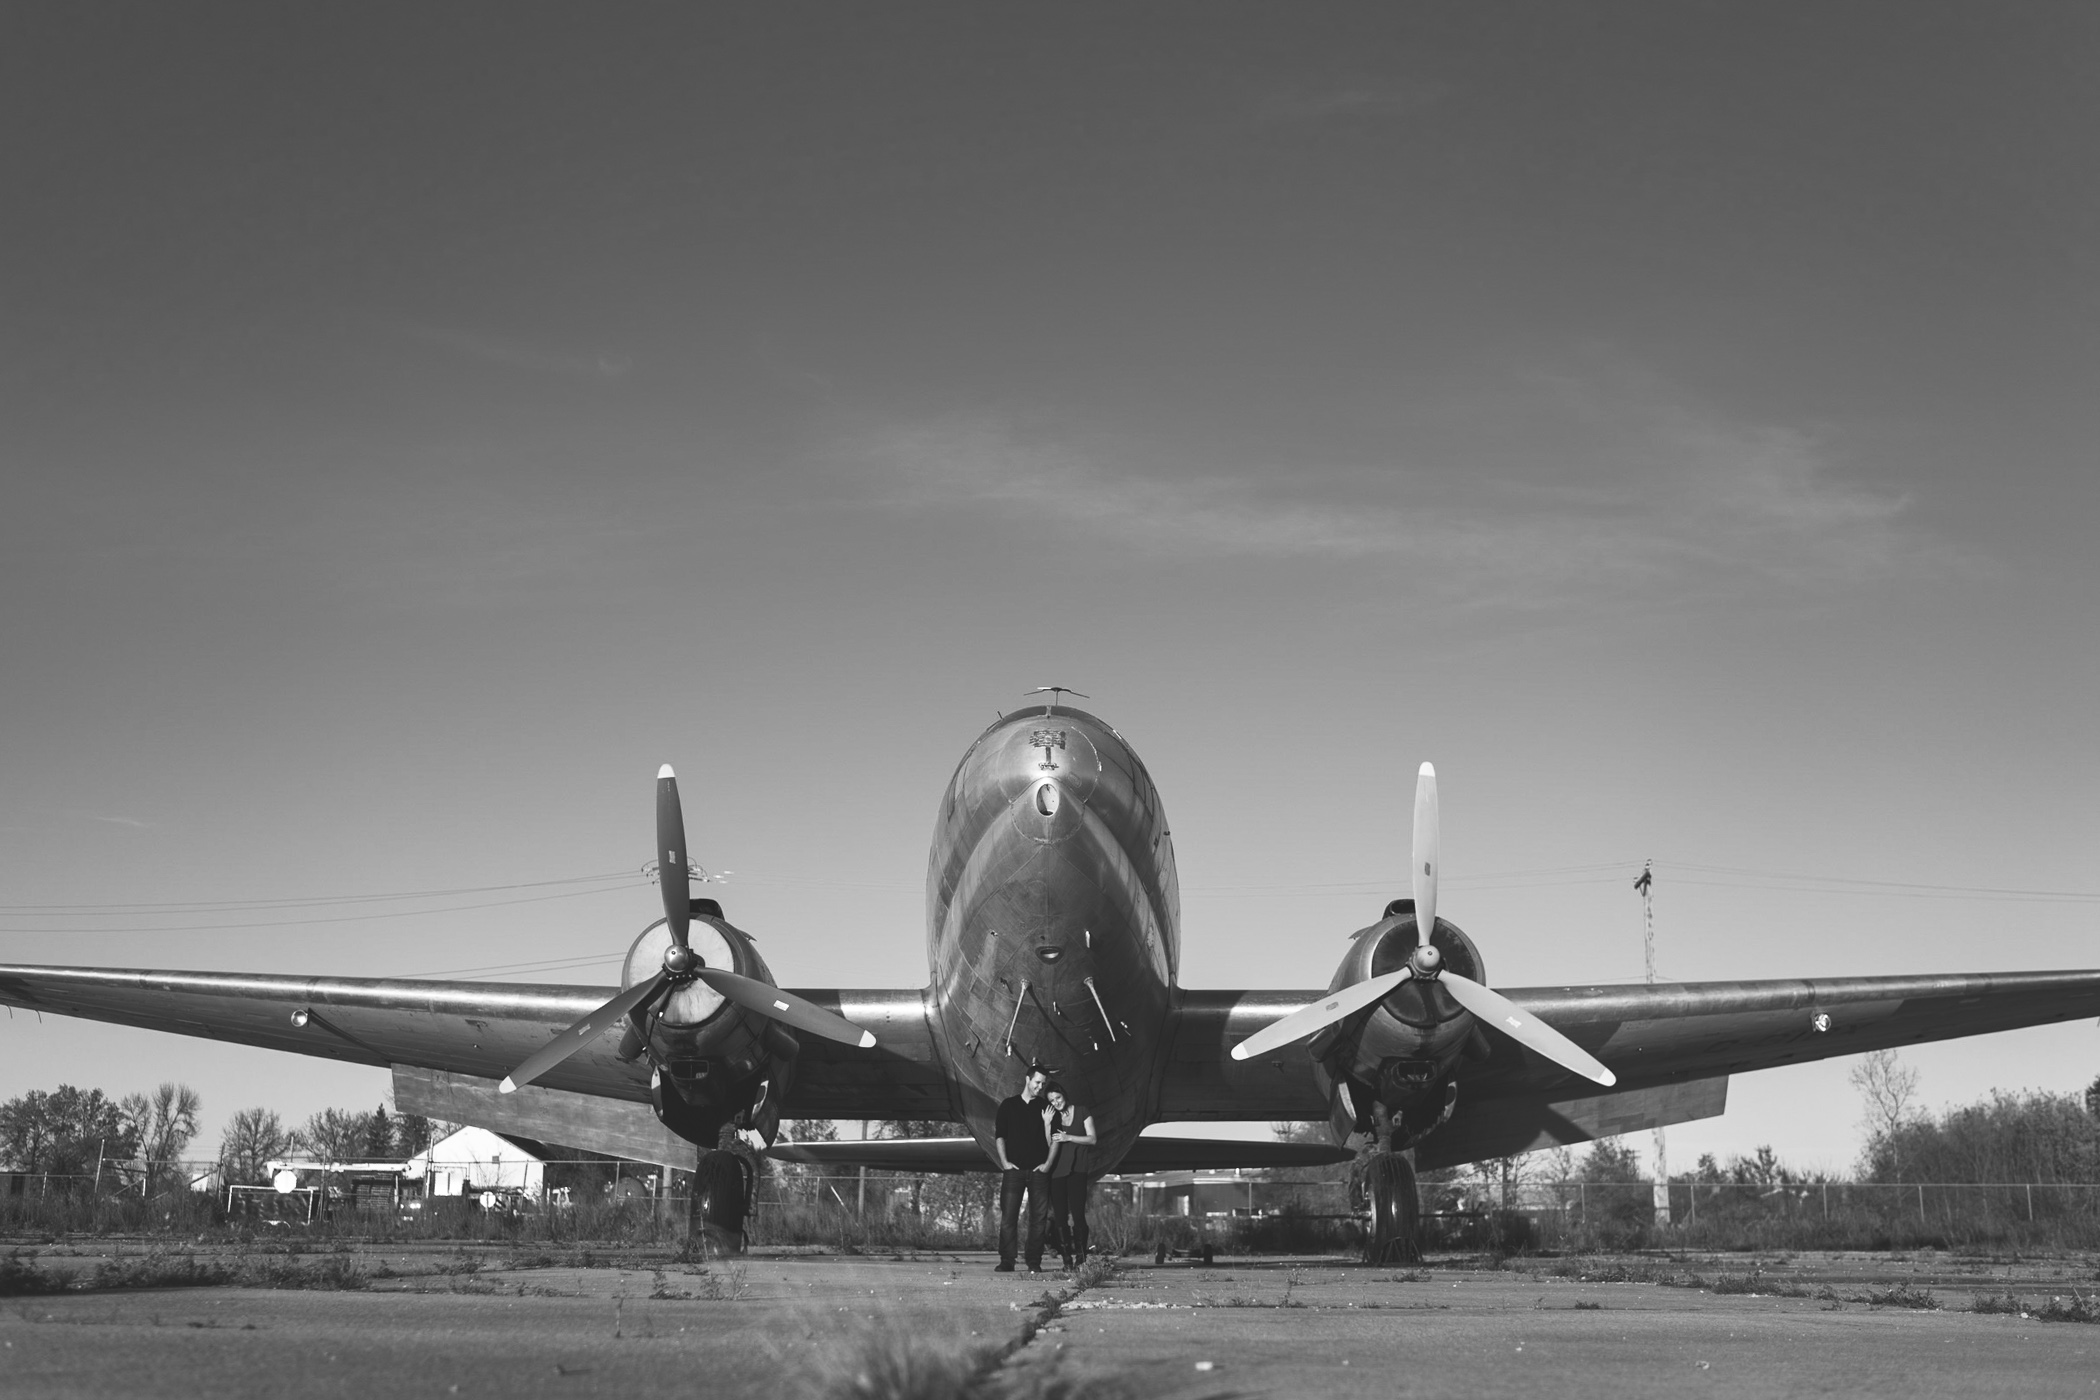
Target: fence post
{"x":2030,"y":1203}
{"x":1921,"y":1201}
{"x":1826,"y":1200}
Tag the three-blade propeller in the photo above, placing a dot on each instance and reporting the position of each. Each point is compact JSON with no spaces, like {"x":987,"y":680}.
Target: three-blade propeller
{"x":682,"y":964}
{"x":1427,"y":964}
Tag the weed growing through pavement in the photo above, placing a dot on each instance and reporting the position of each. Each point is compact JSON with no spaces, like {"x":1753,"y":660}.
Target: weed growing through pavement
{"x":165,"y":1269}
{"x":1902,"y":1296}
{"x":723,"y":1284}
{"x":2076,"y":1307}
{"x":1757,"y":1282}
{"x":1614,"y":1271}
{"x":19,"y":1277}
{"x":1095,"y":1271}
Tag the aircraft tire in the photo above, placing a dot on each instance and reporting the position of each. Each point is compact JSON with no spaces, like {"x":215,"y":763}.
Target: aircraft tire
{"x":1395,"y":1236}
{"x":719,"y":1204}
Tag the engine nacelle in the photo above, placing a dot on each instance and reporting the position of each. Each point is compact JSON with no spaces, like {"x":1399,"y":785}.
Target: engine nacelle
{"x":715,"y":1064}
{"x":1388,"y":1070}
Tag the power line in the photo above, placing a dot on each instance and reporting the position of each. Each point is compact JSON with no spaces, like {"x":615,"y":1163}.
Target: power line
{"x":330,"y":919}
{"x":1847,"y":884}
{"x":226,"y":906}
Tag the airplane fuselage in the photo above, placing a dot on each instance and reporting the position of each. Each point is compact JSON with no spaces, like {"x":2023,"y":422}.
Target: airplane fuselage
{"x":1053,"y":922}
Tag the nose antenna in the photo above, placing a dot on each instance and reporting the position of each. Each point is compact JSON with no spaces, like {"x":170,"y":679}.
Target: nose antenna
{"x":1054,"y":691}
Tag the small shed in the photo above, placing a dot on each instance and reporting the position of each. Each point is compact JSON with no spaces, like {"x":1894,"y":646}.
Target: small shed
{"x":473,"y":1160}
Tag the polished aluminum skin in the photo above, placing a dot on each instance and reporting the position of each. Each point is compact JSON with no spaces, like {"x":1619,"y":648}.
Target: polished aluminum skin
{"x":1053,"y":921}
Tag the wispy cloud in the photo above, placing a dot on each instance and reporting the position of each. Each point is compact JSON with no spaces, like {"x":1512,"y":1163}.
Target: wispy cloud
{"x":1637,"y":492}
{"x":121,"y":821}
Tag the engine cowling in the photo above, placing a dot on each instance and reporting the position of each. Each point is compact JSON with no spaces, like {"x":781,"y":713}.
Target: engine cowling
{"x":714,"y":1063}
{"x":1388,"y":1068}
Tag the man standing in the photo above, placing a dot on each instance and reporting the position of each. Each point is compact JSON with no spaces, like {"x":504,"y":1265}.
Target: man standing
{"x":1022,"y":1144}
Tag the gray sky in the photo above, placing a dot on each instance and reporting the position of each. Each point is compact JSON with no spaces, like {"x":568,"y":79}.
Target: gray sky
{"x":1676,"y":422}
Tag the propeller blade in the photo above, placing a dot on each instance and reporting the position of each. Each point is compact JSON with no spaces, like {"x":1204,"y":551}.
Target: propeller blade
{"x":785,"y":1007}
{"x":1428,"y":856}
{"x":671,"y":872}
{"x":1307,"y":1019}
{"x":1528,"y":1031}
{"x":581,"y":1034}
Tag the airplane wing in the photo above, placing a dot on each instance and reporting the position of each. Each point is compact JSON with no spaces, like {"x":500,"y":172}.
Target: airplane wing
{"x":1147,"y":1154}
{"x":482,"y":1030}
{"x":1670,"y":1033}
{"x":1677,"y":1032}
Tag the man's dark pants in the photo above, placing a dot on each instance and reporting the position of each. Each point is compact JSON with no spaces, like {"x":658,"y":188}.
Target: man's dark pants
{"x":1011,"y":1185}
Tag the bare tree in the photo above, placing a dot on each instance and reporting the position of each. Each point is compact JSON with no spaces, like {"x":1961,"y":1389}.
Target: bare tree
{"x":250,"y":1141}
{"x":333,"y":1135}
{"x":1888,"y":1089}
{"x":1500,"y":1178}
{"x":165,"y":1120}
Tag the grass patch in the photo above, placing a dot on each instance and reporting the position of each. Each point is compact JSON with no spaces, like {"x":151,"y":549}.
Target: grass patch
{"x":1902,"y":1296}
{"x":21,"y":1277}
{"x":161,"y":1269}
{"x":1757,"y":1282}
{"x":1606,"y":1271}
{"x":720,"y":1284}
{"x":2074,"y":1307}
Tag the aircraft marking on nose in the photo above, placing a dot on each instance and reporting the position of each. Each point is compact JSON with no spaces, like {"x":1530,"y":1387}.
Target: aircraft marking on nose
{"x":1047,"y":740}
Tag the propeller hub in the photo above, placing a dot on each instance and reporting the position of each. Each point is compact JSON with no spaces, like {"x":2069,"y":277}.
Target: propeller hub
{"x":681,"y":961}
{"x":1426,"y":961}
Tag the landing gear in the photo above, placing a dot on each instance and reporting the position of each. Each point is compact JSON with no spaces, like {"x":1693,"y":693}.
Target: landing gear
{"x":1396,"y":1211}
{"x":720,"y":1200}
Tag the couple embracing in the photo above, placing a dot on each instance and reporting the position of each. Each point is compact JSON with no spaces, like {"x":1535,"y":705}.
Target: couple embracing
{"x":1040,"y":1139}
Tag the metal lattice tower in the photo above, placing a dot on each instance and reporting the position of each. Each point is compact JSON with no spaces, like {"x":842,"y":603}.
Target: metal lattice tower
{"x":1645,"y":885}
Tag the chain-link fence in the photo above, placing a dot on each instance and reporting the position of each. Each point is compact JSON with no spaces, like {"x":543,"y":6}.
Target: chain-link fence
{"x":593,"y":1198}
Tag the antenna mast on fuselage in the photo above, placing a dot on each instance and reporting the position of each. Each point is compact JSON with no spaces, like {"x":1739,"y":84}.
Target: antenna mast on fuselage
{"x":1054,"y":692}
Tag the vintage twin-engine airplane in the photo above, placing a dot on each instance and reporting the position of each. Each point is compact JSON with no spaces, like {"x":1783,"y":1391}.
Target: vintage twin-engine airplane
{"x":1053,"y":931}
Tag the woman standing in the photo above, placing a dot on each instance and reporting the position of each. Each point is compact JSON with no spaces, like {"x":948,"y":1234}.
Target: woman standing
{"x":1071,"y":1134}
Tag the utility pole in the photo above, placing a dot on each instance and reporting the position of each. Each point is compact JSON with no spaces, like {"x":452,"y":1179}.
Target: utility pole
{"x":1644,"y":885}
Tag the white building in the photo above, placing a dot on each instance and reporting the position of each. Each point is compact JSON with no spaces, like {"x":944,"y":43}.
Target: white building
{"x":474,"y":1160}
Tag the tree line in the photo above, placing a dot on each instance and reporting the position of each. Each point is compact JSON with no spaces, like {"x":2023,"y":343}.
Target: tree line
{"x":69,"y":1131}
{"x":2027,"y":1137}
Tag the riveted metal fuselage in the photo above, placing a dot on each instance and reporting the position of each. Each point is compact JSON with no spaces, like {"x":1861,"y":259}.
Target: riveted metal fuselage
{"x":1053,"y":922}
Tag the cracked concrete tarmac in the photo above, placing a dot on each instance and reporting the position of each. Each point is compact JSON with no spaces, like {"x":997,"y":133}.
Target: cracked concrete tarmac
{"x":1304,"y":1328}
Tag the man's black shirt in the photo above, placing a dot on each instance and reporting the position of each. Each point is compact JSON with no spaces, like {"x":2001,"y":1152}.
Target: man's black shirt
{"x":1020,"y":1126}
